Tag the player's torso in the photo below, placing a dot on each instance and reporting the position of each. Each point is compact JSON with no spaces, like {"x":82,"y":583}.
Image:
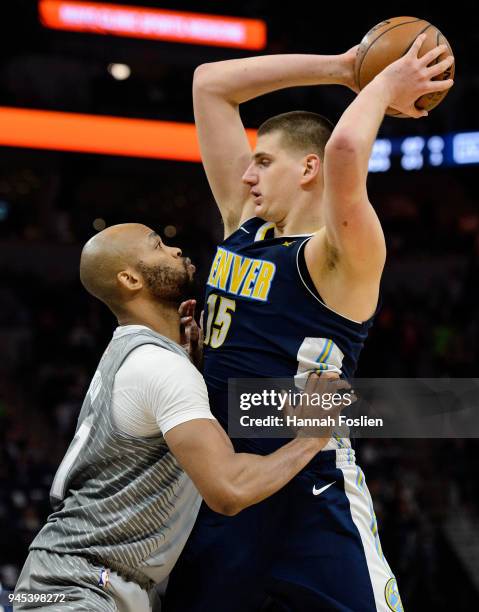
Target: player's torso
{"x":117,"y":496}
{"x":262,"y":318}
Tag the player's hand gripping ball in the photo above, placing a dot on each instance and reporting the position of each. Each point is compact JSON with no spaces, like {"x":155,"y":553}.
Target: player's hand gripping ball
{"x":390,"y":40}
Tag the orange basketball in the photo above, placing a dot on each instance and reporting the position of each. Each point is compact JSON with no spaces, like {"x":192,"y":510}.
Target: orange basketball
{"x":390,"y":40}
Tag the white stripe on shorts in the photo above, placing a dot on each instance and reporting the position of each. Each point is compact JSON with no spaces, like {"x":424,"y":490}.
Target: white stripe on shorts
{"x":362,"y":513}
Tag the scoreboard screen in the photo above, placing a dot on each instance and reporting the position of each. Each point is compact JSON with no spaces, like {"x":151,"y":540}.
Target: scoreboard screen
{"x":417,"y":152}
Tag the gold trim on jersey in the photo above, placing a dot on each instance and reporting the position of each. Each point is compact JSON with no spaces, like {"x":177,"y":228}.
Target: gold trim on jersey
{"x":263,"y":230}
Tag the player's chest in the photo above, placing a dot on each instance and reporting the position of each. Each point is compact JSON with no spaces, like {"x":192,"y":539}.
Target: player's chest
{"x":254,"y":275}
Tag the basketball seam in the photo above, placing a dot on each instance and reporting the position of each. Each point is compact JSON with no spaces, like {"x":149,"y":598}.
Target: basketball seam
{"x":376,"y":39}
{"x":412,"y":41}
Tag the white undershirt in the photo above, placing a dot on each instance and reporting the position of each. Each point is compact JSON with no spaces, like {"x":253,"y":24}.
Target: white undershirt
{"x":155,"y":390}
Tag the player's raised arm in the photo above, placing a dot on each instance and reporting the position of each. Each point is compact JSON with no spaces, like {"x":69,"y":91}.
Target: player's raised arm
{"x":353,"y":230}
{"x":218,"y":90}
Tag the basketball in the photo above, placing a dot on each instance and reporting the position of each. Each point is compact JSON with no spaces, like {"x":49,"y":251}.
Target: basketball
{"x":391,"y":39}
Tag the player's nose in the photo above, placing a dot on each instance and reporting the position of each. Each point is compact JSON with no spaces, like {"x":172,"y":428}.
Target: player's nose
{"x":250,"y":177}
{"x":175,"y":251}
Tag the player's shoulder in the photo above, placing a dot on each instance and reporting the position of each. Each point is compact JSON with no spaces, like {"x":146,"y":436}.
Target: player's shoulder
{"x":152,"y":360}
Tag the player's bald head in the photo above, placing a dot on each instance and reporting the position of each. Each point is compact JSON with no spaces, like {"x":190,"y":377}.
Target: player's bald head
{"x":107,"y":254}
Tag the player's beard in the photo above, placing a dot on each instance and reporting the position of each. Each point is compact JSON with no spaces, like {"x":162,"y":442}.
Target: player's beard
{"x":167,"y":284}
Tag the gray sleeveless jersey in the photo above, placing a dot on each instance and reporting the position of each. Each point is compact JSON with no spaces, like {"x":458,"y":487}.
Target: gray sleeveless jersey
{"x":120,"y":500}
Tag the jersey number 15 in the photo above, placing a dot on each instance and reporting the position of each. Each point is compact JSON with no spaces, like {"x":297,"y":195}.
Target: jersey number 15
{"x":219,"y":319}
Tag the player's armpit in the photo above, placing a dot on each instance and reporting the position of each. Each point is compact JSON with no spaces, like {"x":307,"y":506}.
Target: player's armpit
{"x":350,"y":289}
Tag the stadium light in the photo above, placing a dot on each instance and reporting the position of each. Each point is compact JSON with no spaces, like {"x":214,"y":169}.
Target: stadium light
{"x":120,"y":72}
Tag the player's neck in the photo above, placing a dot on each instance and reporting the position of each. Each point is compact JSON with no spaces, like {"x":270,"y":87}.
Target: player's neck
{"x":303,"y":218}
{"x":161,"y":318}
{"x":298,"y":225}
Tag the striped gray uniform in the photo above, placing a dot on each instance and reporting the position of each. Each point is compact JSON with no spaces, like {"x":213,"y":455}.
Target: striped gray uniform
{"x":119,"y":501}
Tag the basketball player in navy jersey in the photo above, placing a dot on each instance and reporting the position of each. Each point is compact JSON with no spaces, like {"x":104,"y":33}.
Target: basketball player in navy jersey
{"x":293,"y":289}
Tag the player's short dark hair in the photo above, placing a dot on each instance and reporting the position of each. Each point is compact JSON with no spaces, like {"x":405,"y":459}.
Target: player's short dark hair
{"x":301,"y":130}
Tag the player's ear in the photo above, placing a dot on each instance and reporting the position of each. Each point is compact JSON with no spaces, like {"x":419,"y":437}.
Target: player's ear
{"x":130,"y":279}
{"x":311,"y":168}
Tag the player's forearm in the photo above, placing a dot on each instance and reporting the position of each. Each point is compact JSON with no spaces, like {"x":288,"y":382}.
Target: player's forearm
{"x":357,"y":129}
{"x":243,"y":79}
{"x":253,"y":478}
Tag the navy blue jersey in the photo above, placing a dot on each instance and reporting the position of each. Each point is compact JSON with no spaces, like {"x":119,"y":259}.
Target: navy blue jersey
{"x":264,"y":318}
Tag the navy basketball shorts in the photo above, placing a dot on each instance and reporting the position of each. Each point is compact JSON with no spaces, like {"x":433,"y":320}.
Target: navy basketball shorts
{"x":314,"y":545}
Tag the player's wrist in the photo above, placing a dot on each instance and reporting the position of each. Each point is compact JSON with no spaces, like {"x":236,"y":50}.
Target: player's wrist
{"x":345,"y":64}
{"x":343,"y":70}
{"x":383,"y":88}
{"x":309,"y":442}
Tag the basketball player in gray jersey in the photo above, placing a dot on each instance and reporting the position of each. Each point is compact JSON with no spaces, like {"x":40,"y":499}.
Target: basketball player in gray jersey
{"x":146,"y":447}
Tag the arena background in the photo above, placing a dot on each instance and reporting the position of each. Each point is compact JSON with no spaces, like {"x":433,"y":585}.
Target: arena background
{"x":52,"y":333}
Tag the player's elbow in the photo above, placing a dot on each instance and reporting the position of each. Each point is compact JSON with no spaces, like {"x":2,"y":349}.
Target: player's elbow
{"x":225,"y":501}
{"x":343,"y":143}
{"x":199,"y":75}
{"x":210,"y":84}
{"x":204,"y":79}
